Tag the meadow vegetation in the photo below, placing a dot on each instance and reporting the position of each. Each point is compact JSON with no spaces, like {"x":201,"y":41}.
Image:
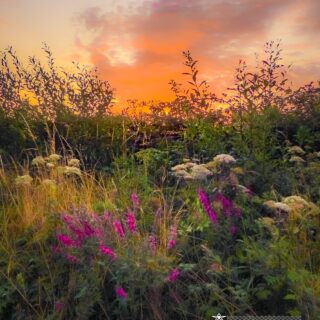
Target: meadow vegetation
{"x":201,"y":205}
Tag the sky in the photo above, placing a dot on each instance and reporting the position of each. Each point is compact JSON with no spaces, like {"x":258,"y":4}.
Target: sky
{"x":137,"y":44}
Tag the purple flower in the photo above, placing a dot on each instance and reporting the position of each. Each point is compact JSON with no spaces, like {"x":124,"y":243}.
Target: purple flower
{"x":118,"y":228}
{"x":152,"y":243}
{"x":108,"y":251}
{"x":226,"y":203}
{"x":135,"y":200}
{"x":172,"y":237}
{"x":67,"y":241}
{"x":70,"y":222}
{"x":173,"y":275}
{"x":237,"y":212}
{"x":206,"y":205}
{"x":58,"y":306}
{"x":233,"y":229}
{"x":121,"y":293}
{"x":131,"y":221}
{"x":87,"y":229}
{"x":71,"y":258}
{"x":107,"y":216}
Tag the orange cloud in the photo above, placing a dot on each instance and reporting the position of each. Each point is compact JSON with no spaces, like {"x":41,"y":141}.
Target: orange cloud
{"x":139,"y":51}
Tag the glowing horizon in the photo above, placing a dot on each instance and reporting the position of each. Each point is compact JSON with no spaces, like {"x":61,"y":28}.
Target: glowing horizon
{"x":136,"y":45}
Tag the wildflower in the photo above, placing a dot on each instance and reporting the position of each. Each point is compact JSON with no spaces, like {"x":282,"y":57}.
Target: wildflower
{"x":56,"y":249}
{"x":172,"y":237}
{"x":74,"y":163}
{"x":224,"y":159}
{"x":50,"y":165}
{"x":58,"y":306}
{"x":23,"y":180}
{"x":131,"y":221}
{"x":270,"y":204}
{"x":173,"y":275}
{"x":200,"y":172}
{"x":121,"y":293}
{"x":233,"y":229}
{"x":107,"y":216}
{"x":99,"y":233}
{"x":68,"y":170}
{"x":135,"y":200}
{"x":118,"y":228}
{"x":108,"y":251}
{"x":179,"y":167}
{"x":282,"y":207}
{"x":296,"y":159}
{"x":183,"y":174}
{"x":87,"y":229}
{"x":237,"y":212}
{"x":296,"y":202}
{"x":38,"y":161}
{"x":54,"y":157}
{"x":72,"y":259}
{"x":245,"y":190}
{"x":207,"y":207}
{"x":66,"y":240}
{"x":296,"y":150}
{"x":69,"y":221}
{"x":152,"y":243}
{"x":227,"y":204}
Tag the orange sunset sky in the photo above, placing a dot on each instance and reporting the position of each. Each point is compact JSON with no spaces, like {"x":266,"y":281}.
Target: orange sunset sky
{"x":137,"y":44}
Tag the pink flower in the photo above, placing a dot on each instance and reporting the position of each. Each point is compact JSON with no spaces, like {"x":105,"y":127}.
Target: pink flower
{"x":172,"y":237}
{"x":70,"y":222}
{"x":67,"y":241}
{"x":99,"y":233}
{"x":107,"y":216}
{"x":206,"y":205}
{"x":72,"y":259}
{"x":227,"y":204}
{"x":173,"y":275}
{"x":121,"y":293}
{"x":58,"y":306}
{"x":131,"y":221}
{"x":56,"y":249}
{"x":237,"y":212}
{"x":135,"y":200}
{"x":233,"y":229}
{"x":152,"y":243}
{"x":108,"y":251}
{"x":87,"y":229}
{"x":118,"y":228}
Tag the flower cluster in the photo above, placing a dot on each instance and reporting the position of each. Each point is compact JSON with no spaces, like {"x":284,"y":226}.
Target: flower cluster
{"x":207,"y":206}
{"x":172,"y":237}
{"x":224,"y":159}
{"x":191,"y":171}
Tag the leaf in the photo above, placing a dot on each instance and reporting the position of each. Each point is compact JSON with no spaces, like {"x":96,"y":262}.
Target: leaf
{"x":194,"y":76}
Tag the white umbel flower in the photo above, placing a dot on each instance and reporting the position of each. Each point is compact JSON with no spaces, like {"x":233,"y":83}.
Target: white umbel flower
{"x":224,"y":158}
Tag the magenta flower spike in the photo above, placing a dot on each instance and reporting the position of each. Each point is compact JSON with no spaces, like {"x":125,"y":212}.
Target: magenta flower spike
{"x":108,"y":251}
{"x":152,"y":243}
{"x":172,"y":237}
{"x":121,"y":293}
{"x":135,"y":200}
{"x":118,"y":228}
{"x":173,"y":275}
{"x":66,"y":240}
{"x":206,"y":206}
{"x":131,"y":221}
